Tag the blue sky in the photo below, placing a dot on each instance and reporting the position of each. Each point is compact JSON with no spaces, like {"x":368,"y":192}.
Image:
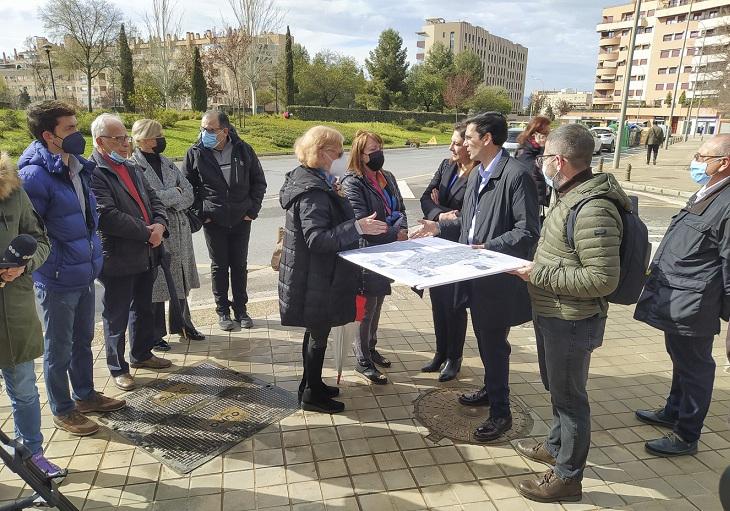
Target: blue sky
{"x":560,"y":34}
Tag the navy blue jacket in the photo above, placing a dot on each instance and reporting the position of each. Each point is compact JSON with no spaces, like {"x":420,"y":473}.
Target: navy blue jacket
{"x":75,"y":259}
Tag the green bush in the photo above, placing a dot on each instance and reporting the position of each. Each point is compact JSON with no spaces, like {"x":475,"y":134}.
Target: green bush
{"x":14,"y":148}
{"x":84,"y":120}
{"x":411,"y":125}
{"x":321,"y":113}
{"x":431,"y":124}
{"x":285,"y":140}
{"x":168,"y":118}
{"x":9,"y":118}
{"x":445,"y":128}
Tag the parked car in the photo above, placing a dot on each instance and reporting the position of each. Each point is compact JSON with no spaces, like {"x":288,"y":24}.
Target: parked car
{"x":607,"y":136}
{"x":511,"y":144}
{"x":597,"y":143}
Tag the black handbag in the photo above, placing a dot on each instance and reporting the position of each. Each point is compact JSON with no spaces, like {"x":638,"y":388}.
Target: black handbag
{"x":195,"y":223}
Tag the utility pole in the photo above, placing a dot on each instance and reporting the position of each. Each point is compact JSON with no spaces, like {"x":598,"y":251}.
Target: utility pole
{"x":627,"y":82}
{"x":694,"y":88}
{"x":276,"y":91}
{"x":47,"y":47}
{"x":679,"y":72}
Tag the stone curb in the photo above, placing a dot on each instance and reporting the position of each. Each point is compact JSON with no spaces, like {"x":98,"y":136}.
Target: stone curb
{"x":668,"y":192}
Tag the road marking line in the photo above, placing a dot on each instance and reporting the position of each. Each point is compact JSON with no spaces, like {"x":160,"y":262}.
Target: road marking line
{"x":405,"y":190}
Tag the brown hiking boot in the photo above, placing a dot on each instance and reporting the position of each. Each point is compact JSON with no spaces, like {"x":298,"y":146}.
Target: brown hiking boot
{"x":99,"y":403}
{"x":153,"y":362}
{"x":551,"y":488}
{"x":535,"y":452}
{"x":76,"y":424}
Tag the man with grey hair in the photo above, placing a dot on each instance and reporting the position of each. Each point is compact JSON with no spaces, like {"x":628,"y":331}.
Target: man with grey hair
{"x":686,"y":295}
{"x":229,"y":187}
{"x":568,"y":288}
{"x":132,"y":223}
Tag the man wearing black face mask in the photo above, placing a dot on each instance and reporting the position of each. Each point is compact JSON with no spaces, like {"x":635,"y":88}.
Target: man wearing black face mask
{"x":56,"y":178}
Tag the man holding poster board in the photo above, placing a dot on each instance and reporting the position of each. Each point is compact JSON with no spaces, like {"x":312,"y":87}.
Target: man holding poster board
{"x":500,"y":214}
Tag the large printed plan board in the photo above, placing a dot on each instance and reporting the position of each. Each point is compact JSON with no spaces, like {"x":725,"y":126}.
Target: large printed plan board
{"x":431,"y":262}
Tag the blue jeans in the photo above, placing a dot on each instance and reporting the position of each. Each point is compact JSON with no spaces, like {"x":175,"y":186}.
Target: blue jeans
{"x":68,"y":319}
{"x":564,"y":354}
{"x":23,"y":394}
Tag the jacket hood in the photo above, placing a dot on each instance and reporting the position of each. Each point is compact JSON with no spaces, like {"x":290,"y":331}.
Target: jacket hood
{"x":9,"y":180}
{"x":299,"y":181}
{"x":601,"y":185}
{"x":39,"y":155}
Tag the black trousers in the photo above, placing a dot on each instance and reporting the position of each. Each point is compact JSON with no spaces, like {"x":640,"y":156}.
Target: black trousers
{"x":693,"y":378}
{"x":228,"y":251}
{"x":652,"y":149}
{"x":449,"y":323}
{"x":128,"y":301}
{"x":494,"y":350}
{"x":158,"y":319}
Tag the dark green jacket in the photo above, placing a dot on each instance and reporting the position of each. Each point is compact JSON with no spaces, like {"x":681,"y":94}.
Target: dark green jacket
{"x":572,"y":284}
{"x":21,"y":337}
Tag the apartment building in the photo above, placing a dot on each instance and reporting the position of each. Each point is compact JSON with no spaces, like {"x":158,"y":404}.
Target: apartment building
{"x":665,"y":26}
{"x":505,"y":62}
{"x":28,"y":69}
{"x":578,"y":100}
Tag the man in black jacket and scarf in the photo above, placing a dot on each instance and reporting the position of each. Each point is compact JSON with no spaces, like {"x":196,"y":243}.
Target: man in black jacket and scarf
{"x":132,"y":223}
{"x":229,"y":187}
{"x":500,"y":214}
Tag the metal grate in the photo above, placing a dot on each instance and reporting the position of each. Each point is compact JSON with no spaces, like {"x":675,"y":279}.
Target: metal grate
{"x":199,"y":412}
{"x":439,"y":410}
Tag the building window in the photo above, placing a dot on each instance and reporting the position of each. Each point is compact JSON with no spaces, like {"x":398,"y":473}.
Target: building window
{"x":667,"y":37}
{"x":643,"y":62}
{"x":685,"y":86}
{"x":694,"y":34}
{"x":669,"y":86}
{"x":648,"y":30}
{"x":672,"y":70}
{"x":662,"y":71}
{"x":675,"y":53}
{"x":687,"y":69}
{"x":650,"y":13}
{"x":451,"y":41}
{"x":664,"y":54}
{"x":678,"y":36}
{"x":617,"y":93}
{"x":659,"y":86}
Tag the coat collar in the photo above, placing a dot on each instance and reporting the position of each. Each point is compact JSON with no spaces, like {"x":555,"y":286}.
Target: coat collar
{"x":699,"y":207}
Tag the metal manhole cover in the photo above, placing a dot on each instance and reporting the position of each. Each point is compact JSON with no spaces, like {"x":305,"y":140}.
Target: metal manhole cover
{"x":199,"y":412}
{"x":439,"y":410}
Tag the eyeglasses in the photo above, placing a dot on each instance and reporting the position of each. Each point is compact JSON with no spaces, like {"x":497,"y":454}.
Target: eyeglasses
{"x":705,"y":157}
{"x":542,"y":159}
{"x":119,"y":139}
{"x":212,"y":131}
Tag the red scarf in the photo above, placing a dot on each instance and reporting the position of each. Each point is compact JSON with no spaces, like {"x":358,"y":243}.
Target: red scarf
{"x":123,"y":174}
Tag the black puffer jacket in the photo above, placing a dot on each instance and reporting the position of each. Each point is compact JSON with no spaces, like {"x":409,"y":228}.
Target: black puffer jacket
{"x":225,"y":204}
{"x":365,"y":200}
{"x":527,"y":154}
{"x":316,"y":287}
{"x":122,"y":229}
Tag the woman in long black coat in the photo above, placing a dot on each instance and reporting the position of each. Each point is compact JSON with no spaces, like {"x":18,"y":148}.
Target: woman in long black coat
{"x":316,"y":288}
{"x":441,"y":201}
{"x":532,"y":145}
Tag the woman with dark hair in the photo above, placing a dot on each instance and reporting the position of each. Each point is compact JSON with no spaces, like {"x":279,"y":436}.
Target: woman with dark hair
{"x":532,"y":145}
{"x":442,"y":201}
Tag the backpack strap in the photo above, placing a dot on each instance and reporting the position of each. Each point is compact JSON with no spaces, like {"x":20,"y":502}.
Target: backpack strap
{"x":572,"y":217}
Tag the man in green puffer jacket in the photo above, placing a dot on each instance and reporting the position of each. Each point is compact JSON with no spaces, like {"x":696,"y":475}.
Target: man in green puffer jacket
{"x":568,"y":289}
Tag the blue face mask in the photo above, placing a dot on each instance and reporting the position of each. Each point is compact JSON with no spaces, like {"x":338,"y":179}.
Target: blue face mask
{"x":117,"y":158}
{"x":210,"y":140}
{"x":698,"y":171}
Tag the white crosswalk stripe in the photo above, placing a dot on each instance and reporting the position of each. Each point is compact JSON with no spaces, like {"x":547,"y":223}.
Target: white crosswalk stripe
{"x":405,"y":190}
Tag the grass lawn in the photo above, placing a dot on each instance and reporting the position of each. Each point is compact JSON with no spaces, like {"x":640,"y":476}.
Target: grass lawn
{"x":267,"y":135}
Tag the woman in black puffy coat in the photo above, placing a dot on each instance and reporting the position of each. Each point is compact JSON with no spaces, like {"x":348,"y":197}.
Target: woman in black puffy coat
{"x":532,"y":145}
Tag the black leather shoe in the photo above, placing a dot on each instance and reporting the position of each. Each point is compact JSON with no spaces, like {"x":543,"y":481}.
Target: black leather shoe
{"x":225,"y":323}
{"x":655,"y":418}
{"x":244,"y":320}
{"x":450,"y":370}
{"x":192,"y":335}
{"x":477,"y":398}
{"x":372,"y":373}
{"x":379,"y":359}
{"x":161,"y":345}
{"x":493,"y":428}
{"x":435,"y":364}
{"x":670,"y":445}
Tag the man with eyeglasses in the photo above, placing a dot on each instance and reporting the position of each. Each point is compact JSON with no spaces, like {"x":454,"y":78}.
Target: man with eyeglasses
{"x":229,"y":187}
{"x":132,"y":223}
{"x":686,"y":295}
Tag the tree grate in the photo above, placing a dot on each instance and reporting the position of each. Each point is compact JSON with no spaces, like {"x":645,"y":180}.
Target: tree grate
{"x":199,"y":412}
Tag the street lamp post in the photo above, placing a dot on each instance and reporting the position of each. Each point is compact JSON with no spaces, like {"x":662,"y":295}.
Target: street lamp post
{"x":679,"y":72}
{"x":627,"y":83}
{"x":276,"y":91}
{"x":47,"y":47}
{"x":694,"y":90}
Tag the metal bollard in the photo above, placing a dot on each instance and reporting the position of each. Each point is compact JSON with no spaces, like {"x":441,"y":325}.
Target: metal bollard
{"x":628,"y":172}
{"x":600,"y":164}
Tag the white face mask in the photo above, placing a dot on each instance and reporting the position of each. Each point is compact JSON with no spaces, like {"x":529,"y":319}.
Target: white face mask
{"x":339,"y":167}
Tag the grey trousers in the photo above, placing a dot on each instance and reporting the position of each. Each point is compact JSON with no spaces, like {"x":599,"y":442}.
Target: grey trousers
{"x":368,"y":338}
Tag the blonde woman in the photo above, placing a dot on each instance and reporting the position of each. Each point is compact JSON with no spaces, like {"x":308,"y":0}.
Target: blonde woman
{"x":372,"y":190}
{"x":316,"y":288}
{"x":176,"y":195}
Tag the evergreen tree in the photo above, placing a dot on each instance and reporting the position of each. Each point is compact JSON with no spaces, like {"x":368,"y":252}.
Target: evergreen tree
{"x":440,"y":61}
{"x":290,"y":86}
{"x":126,"y":71}
{"x":668,"y":100}
{"x":387,"y":66}
{"x":198,"y":94}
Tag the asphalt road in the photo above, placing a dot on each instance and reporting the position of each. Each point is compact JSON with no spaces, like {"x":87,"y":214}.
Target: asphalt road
{"x":412,"y":167}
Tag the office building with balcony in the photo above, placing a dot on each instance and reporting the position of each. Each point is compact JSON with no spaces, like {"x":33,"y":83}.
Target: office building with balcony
{"x":505,"y":62}
{"x":665,"y":26}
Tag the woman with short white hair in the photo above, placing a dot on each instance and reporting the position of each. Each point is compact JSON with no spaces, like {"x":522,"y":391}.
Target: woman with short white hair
{"x":176,"y":195}
{"x":316,"y":288}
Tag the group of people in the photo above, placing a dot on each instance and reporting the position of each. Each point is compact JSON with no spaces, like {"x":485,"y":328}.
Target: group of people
{"x":485,"y":198}
{"x":115,"y":217}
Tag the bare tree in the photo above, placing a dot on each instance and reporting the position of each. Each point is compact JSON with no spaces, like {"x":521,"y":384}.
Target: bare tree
{"x":88,"y":29}
{"x":256,"y":18}
{"x":41,"y":76}
{"x":229,"y":50}
{"x":163,"y":24}
{"x":459,"y":88}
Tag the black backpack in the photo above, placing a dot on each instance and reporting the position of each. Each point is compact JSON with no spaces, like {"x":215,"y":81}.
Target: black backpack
{"x":635,"y":251}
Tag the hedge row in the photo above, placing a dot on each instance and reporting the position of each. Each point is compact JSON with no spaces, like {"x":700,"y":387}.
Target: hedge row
{"x":321,"y":113}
